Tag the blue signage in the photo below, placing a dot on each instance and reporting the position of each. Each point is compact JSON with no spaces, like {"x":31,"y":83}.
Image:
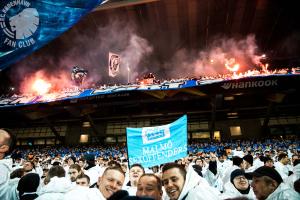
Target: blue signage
{"x":150,"y":146}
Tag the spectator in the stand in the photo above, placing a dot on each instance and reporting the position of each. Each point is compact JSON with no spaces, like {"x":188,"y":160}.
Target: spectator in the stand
{"x":91,"y":169}
{"x":268,"y":184}
{"x":111,"y":181}
{"x":181,"y":184}
{"x":295,"y":176}
{"x":294,"y":158}
{"x":238,"y":186}
{"x":297,"y":185}
{"x":248,"y":163}
{"x":54,"y":171}
{"x":135,"y":172}
{"x":238,"y":152}
{"x":28,"y":166}
{"x":237,"y":163}
{"x":7,"y":141}
{"x":83,"y":180}
{"x":268,"y":162}
{"x":149,"y":185}
{"x":81,"y":163}
{"x":28,"y":185}
{"x":74,"y":171}
{"x":57,"y":184}
{"x":17,"y":173}
{"x":281,"y":165}
{"x":71,"y":160}
{"x":199,"y":166}
{"x":212,"y":175}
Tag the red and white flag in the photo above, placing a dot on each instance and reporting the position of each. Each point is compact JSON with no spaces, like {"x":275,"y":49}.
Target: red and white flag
{"x":113,"y":64}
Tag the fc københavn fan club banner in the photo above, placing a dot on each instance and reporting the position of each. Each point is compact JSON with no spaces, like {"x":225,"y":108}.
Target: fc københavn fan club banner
{"x":152,"y":146}
{"x":27,"y":25}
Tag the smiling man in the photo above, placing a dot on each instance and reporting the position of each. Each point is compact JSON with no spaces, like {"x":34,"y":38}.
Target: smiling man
{"x":186,"y":185}
{"x":149,"y":185}
{"x":111,"y":181}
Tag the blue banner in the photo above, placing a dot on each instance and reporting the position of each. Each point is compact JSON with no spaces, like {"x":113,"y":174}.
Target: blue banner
{"x":150,"y":146}
{"x":27,"y":25}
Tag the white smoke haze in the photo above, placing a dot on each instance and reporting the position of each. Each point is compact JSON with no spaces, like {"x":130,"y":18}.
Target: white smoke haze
{"x":138,"y":48}
{"x":211,"y":61}
{"x":89,"y":49}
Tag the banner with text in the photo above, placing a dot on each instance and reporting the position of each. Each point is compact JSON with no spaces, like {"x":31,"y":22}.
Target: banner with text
{"x":150,"y":146}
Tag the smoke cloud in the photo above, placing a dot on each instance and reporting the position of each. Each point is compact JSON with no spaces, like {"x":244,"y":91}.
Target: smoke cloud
{"x":89,"y":49}
{"x":212,"y":61}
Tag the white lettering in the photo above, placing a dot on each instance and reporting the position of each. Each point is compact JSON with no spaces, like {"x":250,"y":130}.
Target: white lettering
{"x":10,"y":42}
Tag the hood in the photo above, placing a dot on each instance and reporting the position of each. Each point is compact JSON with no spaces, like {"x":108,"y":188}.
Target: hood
{"x":296,"y":170}
{"x":7,"y":163}
{"x":192,"y":180}
{"x":283,"y":191}
{"x":57,"y":185}
{"x":230,"y":191}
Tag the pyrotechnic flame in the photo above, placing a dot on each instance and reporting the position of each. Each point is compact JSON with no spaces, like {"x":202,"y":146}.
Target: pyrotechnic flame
{"x":231,"y":65}
{"x":41,"y":87}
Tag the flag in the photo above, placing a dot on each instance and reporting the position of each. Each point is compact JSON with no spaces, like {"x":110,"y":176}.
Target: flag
{"x":27,"y":25}
{"x":113,"y":64}
{"x":150,"y":146}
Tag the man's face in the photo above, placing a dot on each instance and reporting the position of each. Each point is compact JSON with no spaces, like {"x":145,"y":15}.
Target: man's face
{"x":110,"y":182}
{"x":199,"y":162}
{"x":285,"y":160}
{"x":81,"y":163}
{"x":82,"y":182}
{"x":73,"y":173}
{"x":27,"y":166}
{"x":260,"y":188}
{"x":134,"y":174}
{"x":173,"y":182}
{"x":70,"y":161}
{"x":294,"y":157}
{"x":4,"y":137}
{"x":245,"y":165}
{"x":269,"y":163}
{"x":241,"y":183}
{"x":148,"y":187}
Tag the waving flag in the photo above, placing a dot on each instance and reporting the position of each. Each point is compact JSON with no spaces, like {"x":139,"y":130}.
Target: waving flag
{"x":27,"y":25}
{"x":113,"y":64}
{"x":150,"y":146}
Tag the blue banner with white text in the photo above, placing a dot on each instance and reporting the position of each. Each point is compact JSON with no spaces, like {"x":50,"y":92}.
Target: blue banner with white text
{"x":27,"y":25}
{"x":150,"y":146}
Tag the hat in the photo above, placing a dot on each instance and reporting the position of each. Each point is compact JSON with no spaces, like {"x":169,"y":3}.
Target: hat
{"x":267,"y":158}
{"x":235,"y":173}
{"x":28,"y":183}
{"x":265,"y":171}
{"x":249,"y":159}
{"x":237,"y":160}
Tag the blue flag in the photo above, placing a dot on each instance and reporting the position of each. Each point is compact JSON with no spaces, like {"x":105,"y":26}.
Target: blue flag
{"x":150,"y":146}
{"x":27,"y":25}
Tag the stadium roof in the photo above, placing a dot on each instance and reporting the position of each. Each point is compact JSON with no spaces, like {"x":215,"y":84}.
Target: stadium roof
{"x":196,"y":23}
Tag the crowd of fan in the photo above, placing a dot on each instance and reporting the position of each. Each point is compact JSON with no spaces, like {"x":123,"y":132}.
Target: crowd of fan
{"x":268,"y":169}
